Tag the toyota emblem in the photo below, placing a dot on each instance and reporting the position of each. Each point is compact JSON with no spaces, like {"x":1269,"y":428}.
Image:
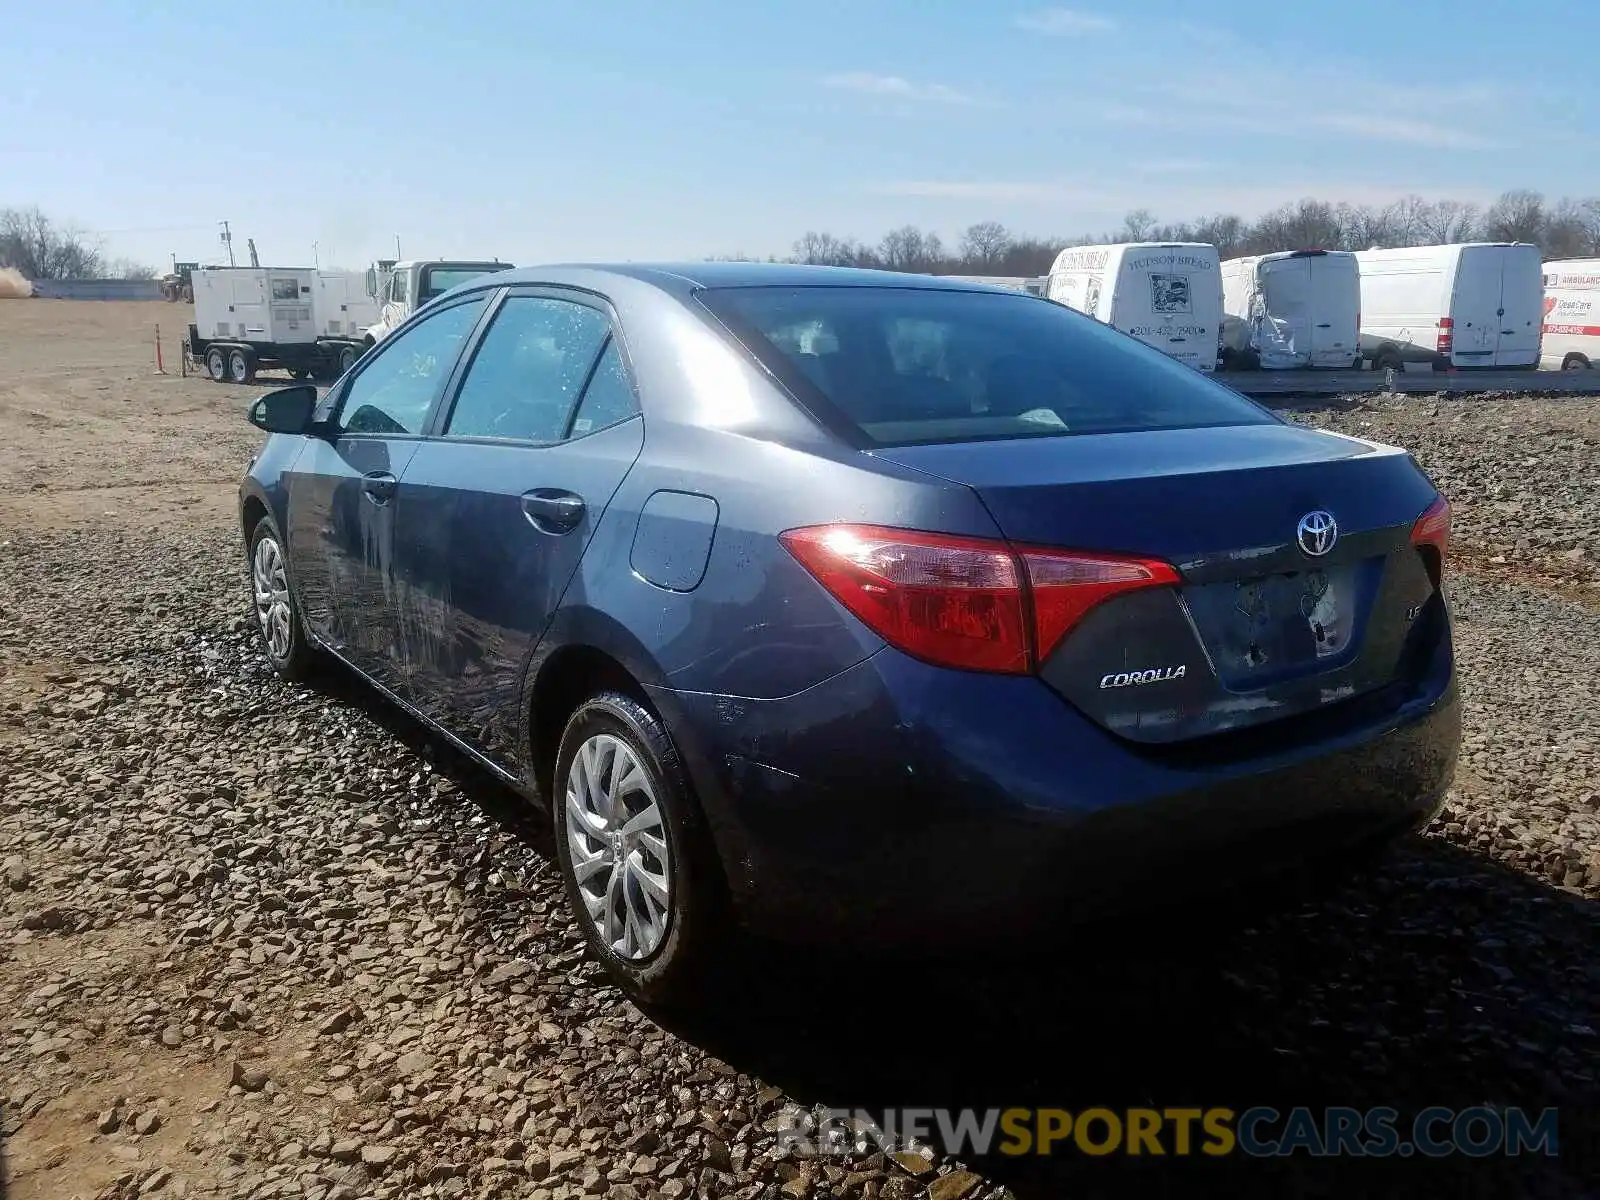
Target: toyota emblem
{"x":1317,"y":533}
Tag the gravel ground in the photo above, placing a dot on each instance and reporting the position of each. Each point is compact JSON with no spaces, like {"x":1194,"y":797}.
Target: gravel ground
{"x":259,"y":939}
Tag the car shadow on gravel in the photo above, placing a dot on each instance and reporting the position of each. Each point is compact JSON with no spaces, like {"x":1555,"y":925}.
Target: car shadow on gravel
{"x":1436,"y":978}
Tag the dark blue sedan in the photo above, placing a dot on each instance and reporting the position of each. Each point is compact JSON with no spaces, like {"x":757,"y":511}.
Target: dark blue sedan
{"x":847,"y":604}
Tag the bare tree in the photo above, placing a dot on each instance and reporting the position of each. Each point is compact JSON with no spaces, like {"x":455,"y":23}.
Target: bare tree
{"x":1517,"y":216}
{"x":983,"y":245}
{"x":1589,"y":216}
{"x":1137,"y":226}
{"x":1311,"y":224}
{"x":909,"y":249}
{"x":825,"y":250}
{"x":1566,"y":233}
{"x":33,"y":244}
{"x":1447,"y":221}
{"x":1225,"y":231}
{"x":1404,"y":219}
{"x":1364,"y":228}
{"x":1566,"y":228}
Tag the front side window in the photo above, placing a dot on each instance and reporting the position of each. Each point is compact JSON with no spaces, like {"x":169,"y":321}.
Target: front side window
{"x":528,"y":371}
{"x":393,"y":393}
{"x":397,"y":287}
{"x":897,"y":365}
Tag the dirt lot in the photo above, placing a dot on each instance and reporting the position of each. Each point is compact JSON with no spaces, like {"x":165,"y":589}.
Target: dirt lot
{"x":259,"y":940}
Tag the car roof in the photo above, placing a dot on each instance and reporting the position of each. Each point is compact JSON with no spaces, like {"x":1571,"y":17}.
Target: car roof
{"x":682,"y":278}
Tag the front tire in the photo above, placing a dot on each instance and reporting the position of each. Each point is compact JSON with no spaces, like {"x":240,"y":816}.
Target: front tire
{"x":277,"y":615}
{"x":636,"y":861}
{"x":348,"y":358}
{"x":1575,"y":362}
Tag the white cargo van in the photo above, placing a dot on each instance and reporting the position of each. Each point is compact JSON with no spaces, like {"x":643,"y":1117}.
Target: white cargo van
{"x":1166,"y":294}
{"x":1296,"y":308}
{"x":1571,"y":314}
{"x":1475,"y":304}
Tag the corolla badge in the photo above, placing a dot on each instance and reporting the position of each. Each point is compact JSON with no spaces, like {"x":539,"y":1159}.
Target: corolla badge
{"x":1122,"y":679}
{"x":1317,"y":533}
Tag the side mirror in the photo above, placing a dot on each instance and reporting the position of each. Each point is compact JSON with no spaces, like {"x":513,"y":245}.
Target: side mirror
{"x":287,"y":410}
{"x":372,"y":282}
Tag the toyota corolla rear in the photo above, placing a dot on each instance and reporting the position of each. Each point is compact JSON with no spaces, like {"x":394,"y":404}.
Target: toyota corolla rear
{"x":1185,"y":639}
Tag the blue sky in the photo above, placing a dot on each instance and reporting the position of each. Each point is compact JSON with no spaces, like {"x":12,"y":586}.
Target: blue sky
{"x":542,"y":131}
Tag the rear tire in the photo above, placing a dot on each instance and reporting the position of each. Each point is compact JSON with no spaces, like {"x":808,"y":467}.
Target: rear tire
{"x":639,"y":869}
{"x":241,"y":366}
{"x":217,"y":364}
{"x":1575,"y":362}
{"x":348,"y":357}
{"x":1386,"y":359}
{"x":276,"y":611}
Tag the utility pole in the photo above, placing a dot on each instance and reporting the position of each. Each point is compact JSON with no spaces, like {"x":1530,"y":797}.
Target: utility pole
{"x":314,"y":261}
{"x":397,"y":247}
{"x":227,"y":240}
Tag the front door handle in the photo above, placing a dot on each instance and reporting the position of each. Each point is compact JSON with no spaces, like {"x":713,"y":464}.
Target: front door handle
{"x":378,"y":486}
{"x":553,"y":511}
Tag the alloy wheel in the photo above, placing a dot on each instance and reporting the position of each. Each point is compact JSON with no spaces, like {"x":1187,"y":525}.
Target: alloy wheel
{"x":272,"y":598}
{"x":618,"y":846}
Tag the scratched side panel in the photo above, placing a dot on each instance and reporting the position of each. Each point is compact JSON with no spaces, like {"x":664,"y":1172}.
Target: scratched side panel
{"x":343,"y":548}
{"x":478,"y":580}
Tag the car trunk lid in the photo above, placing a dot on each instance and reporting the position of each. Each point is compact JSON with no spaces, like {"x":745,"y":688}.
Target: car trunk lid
{"x":1299,"y":587}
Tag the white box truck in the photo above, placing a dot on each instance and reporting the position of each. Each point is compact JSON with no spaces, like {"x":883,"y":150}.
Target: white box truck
{"x":1571,"y":314}
{"x":1291,"y":310}
{"x":1166,"y":294}
{"x":1473,"y":304}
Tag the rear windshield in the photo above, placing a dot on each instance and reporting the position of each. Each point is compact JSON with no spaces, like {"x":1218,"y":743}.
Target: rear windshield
{"x":903,"y":365}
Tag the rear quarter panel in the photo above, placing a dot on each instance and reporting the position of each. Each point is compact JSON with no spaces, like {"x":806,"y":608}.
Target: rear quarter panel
{"x":756,"y":624}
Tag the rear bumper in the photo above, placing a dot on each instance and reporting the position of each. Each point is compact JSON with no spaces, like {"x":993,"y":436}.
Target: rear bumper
{"x":902,"y":804}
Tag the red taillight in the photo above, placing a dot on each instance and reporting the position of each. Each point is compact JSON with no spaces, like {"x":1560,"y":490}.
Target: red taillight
{"x":973,"y":603}
{"x":1447,"y":335}
{"x":1066,"y":586}
{"x":1432,"y":531}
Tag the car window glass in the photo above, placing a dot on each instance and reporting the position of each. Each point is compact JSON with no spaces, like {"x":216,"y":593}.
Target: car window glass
{"x":609,"y":397}
{"x":394,"y":392}
{"x":397,"y":287}
{"x":908,"y":364}
{"x":528,"y":370}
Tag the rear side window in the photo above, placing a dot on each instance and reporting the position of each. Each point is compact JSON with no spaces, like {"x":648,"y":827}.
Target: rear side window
{"x":526,"y":375}
{"x":609,"y":397}
{"x":902,"y":365}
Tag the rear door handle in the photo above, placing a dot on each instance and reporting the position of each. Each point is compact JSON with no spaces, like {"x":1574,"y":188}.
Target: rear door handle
{"x":1326,"y":325}
{"x":378,"y":486}
{"x":553,"y":511}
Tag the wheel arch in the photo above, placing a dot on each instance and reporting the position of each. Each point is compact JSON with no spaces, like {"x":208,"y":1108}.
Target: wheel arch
{"x":252,"y":512}
{"x":583,"y":651}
